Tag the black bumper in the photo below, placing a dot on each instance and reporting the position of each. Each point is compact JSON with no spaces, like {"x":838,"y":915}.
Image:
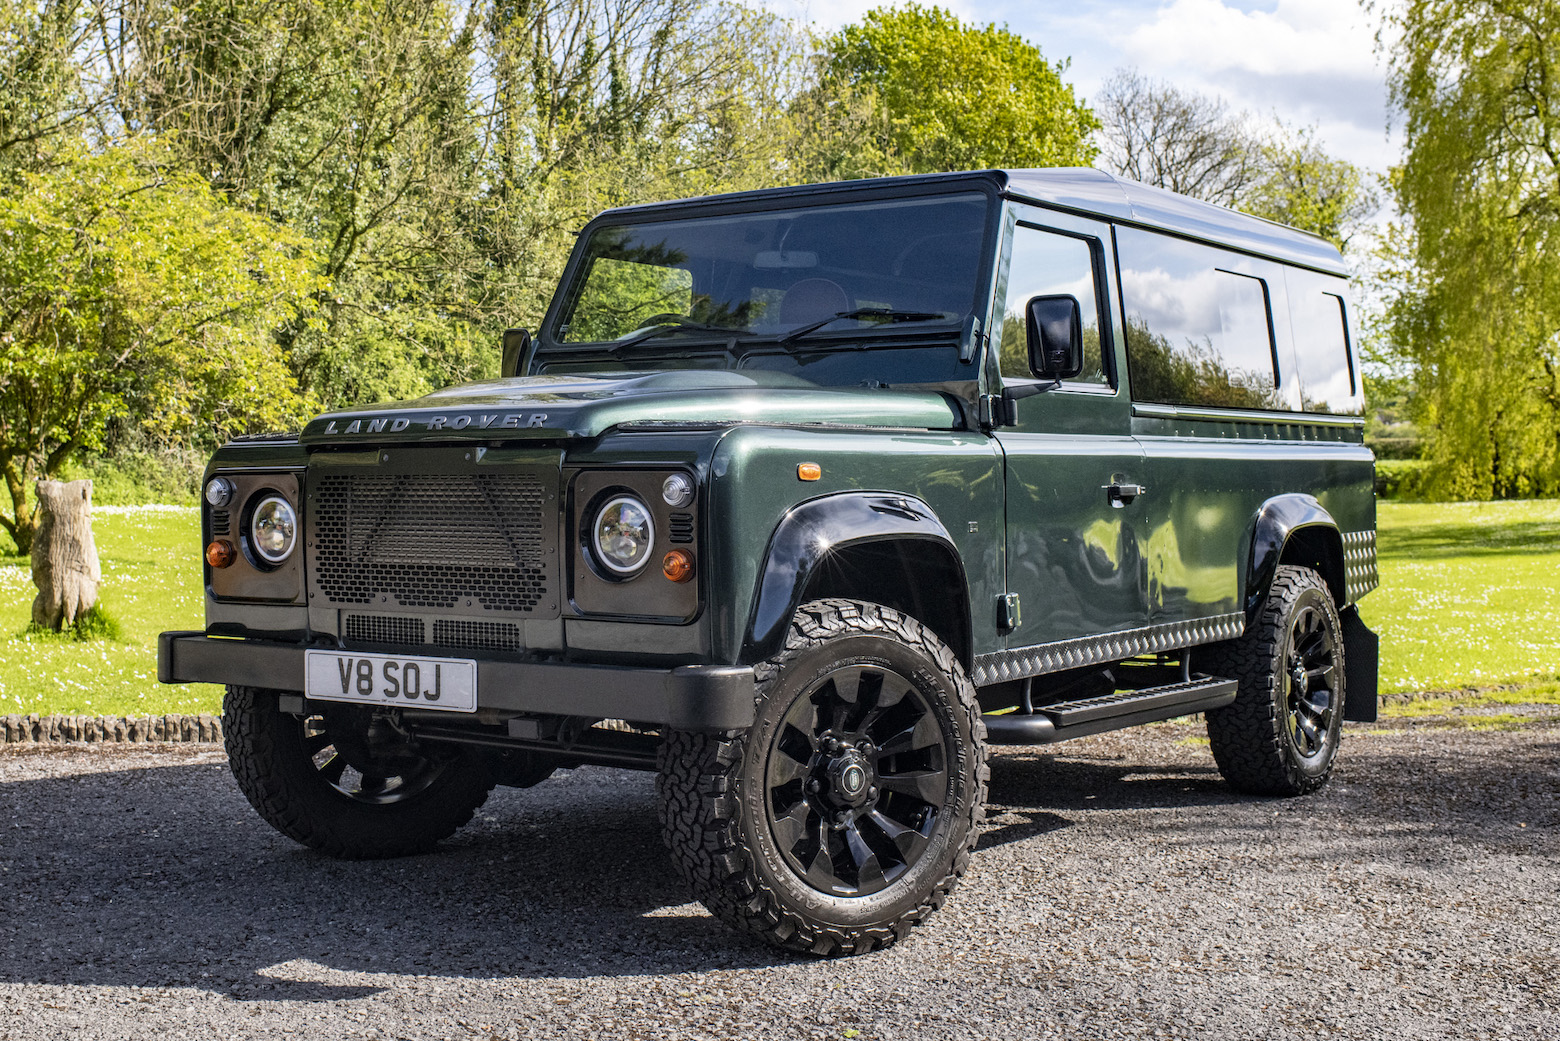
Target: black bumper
{"x":688,"y":697}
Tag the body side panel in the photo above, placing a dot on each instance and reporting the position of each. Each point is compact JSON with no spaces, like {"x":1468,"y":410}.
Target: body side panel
{"x":754,"y":486}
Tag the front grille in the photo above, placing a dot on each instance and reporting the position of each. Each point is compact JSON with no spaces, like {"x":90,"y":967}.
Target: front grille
{"x":483,"y":636}
{"x":466,"y":541}
{"x":369,"y":628}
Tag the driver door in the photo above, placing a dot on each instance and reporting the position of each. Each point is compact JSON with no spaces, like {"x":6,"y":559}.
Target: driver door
{"x":1073,"y":550}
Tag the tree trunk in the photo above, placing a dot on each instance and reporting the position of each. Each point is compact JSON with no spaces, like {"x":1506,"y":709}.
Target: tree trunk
{"x":25,"y":523}
{"x":64,"y":556}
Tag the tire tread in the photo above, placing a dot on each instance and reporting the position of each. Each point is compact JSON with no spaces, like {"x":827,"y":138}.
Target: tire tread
{"x":1247,"y":736}
{"x":698,"y":778}
{"x":317,"y":816}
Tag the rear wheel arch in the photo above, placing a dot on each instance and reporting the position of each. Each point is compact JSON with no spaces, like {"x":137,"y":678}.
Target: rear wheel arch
{"x":1293,"y":529}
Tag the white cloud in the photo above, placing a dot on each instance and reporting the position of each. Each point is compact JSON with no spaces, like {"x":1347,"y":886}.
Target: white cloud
{"x":1295,"y":38}
{"x":1307,"y":62}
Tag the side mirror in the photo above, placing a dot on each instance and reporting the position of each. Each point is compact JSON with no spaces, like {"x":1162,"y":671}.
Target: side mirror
{"x":1055,"y":337}
{"x":517,"y":353}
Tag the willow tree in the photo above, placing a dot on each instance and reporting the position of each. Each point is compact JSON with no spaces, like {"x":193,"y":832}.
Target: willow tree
{"x":1478,"y":83}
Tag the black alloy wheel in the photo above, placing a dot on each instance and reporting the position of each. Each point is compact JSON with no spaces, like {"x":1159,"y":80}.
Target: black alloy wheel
{"x":847,"y":812}
{"x":342,"y":747}
{"x":1281,"y":734}
{"x":856,"y":778}
{"x":1310,"y":681}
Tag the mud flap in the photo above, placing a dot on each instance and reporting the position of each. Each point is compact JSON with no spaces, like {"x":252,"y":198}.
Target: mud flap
{"x":1361,"y":657}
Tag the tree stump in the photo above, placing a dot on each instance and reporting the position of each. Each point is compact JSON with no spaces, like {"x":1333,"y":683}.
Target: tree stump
{"x":64,"y":556}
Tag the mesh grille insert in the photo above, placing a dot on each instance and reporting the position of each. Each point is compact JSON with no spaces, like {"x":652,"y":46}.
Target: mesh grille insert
{"x":491,"y":636}
{"x":432,"y":540}
{"x":367,"y":628}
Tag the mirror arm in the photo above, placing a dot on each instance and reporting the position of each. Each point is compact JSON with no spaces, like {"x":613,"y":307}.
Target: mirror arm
{"x":1029,"y":390}
{"x":1011,"y":396}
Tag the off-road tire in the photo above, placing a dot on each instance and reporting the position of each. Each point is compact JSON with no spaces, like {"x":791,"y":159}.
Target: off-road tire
{"x":712,"y":796}
{"x":1250,"y":737}
{"x":266,"y":752}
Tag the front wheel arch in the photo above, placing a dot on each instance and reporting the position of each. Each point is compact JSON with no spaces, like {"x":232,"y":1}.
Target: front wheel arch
{"x":880,"y":547}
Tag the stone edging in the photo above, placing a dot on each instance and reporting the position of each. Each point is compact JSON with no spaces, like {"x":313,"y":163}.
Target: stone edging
{"x":110,"y":730}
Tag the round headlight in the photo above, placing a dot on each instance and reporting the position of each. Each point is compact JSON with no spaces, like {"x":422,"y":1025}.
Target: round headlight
{"x":273,"y":529}
{"x":677,"y":490}
{"x":219,"y":491}
{"x":623,"y":535}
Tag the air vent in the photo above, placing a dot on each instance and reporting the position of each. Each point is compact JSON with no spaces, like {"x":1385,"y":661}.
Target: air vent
{"x":221,"y":522}
{"x":682,"y":527}
{"x":436,"y":541}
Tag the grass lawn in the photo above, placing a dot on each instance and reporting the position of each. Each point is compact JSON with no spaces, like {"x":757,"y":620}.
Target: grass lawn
{"x":1470,"y":593}
{"x":1470,"y":597}
{"x":151,"y":582}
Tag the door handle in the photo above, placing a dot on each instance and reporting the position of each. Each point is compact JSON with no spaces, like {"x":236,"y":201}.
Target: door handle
{"x":1122,"y":494}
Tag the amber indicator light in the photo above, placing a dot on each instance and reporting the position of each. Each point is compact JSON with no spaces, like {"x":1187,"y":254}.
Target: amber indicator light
{"x":808,"y":471}
{"x":221,"y":553}
{"x":677,"y":565}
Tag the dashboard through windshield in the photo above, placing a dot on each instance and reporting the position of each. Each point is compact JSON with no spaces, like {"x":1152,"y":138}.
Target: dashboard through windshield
{"x":912,"y":264}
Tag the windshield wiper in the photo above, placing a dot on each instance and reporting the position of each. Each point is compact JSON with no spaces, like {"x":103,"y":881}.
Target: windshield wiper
{"x":672,"y":325}
{"x":887,"y":314}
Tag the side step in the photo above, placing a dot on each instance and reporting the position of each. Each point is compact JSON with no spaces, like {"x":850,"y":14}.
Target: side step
{"x":1051,"y":723}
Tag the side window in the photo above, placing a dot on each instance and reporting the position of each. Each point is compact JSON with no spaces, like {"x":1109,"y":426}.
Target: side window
{"x":1046,"y":263}
{"x":1319,"y":318}
{"x":1198,"y":333}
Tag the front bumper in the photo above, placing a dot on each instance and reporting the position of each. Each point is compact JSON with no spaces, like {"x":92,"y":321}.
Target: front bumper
{"x":688,"y":697}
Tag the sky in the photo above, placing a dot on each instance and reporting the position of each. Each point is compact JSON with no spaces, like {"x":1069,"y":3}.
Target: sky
{"x":1306,"y":62}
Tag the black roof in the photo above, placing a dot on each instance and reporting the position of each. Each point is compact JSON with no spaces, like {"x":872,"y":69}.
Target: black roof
{"x":1079,"y":190}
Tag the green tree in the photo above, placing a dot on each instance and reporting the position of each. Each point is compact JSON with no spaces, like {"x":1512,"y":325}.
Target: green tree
{"x":599,"y":103}
{"x":45,"y":97}
{"x":957,"y":97}
{"x":130,"y":290}
{"x":1299,"y":184}
{"x":347,"y":120}
{"x":1478,"y":83}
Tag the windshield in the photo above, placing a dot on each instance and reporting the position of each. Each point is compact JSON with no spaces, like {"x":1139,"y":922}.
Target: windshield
{"x":910,"y":262}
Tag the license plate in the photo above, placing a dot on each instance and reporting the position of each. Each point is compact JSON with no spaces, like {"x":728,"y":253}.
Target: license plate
{"x":447,"y":684}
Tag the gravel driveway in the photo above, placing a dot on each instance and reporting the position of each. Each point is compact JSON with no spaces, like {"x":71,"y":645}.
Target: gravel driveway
{"x":1120,"y":891}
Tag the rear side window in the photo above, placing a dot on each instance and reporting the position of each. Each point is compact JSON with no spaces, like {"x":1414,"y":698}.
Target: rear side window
{"x":1324,"y":366}
{"x":1198,"y":332}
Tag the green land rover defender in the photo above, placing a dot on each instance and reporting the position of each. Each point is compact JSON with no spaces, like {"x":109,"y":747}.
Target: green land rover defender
{"x":804,"y":499}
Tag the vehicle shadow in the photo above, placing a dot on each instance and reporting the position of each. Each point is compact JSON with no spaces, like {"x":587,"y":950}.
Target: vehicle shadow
{"x":1033,"y":792}
{"x":165,"y":877}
